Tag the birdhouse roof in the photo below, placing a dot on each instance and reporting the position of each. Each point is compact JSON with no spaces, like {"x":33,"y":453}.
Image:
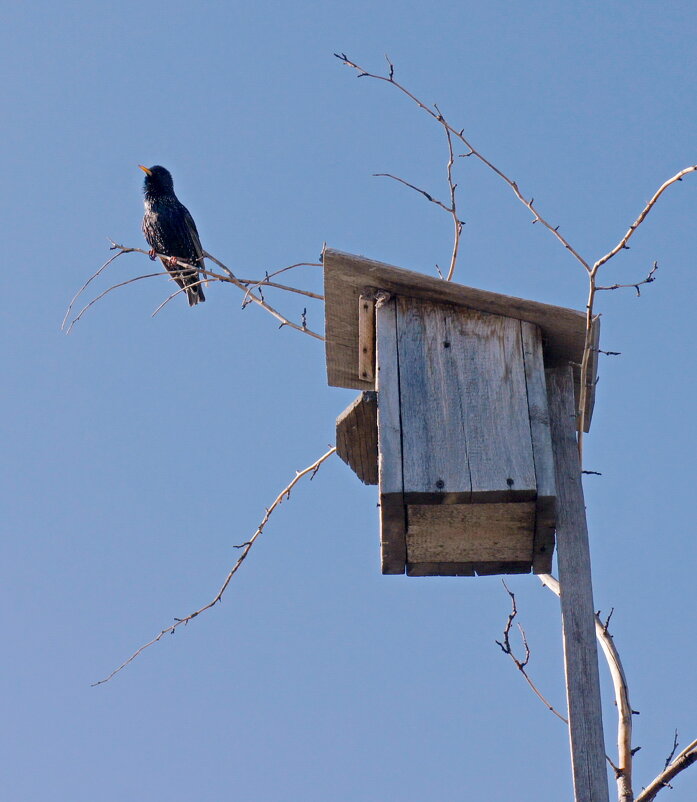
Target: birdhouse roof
{"x":347,"y":277}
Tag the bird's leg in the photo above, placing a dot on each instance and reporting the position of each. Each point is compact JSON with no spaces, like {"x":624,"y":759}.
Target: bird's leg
{"x":152,"y":253}
{"x":173,"y":261}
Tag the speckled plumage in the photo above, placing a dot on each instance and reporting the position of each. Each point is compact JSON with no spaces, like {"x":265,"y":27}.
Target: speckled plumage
{"x":170,"y":230}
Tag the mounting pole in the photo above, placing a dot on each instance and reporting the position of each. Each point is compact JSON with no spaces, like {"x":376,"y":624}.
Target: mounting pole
{"x":576,"y":591}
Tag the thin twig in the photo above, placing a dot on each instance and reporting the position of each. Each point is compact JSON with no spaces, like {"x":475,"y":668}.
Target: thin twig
{"x":630,"y":231}
{"x":208,"y":274}
{"x":423,"y":192}
{"x":263,"y":304}
{"x":87,"y":283}
{"x":684,"y":760}
{"x":506,"y":648}
{"x":457,"y":223}
{"x":284,"y":494}
{"x":472,"y":151}
{"x":106,"y":292}
{"x":651,"y":277}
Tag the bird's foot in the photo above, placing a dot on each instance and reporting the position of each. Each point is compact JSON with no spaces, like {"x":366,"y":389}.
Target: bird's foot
{"x":152,"y":253}
{"x":173,"y":261}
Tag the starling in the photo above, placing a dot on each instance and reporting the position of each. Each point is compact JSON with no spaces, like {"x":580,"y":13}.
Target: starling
{"x":170,"y":230}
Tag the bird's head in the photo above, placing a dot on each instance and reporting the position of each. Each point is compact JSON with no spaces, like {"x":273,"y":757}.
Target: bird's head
{"x":158,"y":181}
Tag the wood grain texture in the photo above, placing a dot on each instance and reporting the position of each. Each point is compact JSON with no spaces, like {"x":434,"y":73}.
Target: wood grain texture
{"x":390,"y":478}
{"x":578,"y":624}
{"x":467,"y":569}
{"x":346,"y":277}
{"x":357,"y":437}
{"x":465,"y":429}
{"x":366,"y":338}
{"x":468,"y":533}
{"x":432,"y":388}
{"x":545,"y":512}
{"x":440,"y":569}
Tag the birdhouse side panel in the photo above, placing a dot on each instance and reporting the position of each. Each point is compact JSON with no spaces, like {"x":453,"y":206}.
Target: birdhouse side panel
{"x":545,"y":512}
{"x":390,"y":476}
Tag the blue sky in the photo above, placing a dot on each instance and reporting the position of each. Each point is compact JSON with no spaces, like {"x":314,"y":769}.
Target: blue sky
{"x":138,"y":450}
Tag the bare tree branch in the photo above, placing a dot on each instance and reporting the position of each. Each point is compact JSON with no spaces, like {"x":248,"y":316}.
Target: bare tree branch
{"x":529,"y":203}
{"x":226,"y":276}
{"x":684,"y":760}
{"x":506,"y":648}
{"x":630,"y":231}
{"x":245,"y":547}
{"x":651,"y":277}
{"x":423,"y":192}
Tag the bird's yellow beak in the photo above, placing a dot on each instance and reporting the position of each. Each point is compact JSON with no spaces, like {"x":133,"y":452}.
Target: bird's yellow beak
{"x":146,"y":170}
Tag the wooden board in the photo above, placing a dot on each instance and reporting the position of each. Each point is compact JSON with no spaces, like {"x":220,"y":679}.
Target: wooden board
{"x":578,"y":622}
{"x":366,"y":338}
{"x":347,"y":277}
{"x":464,"y":406}
{"x":467,"y":569}
{"x":357,"y":437}
{"x":545,"y":503}
{"x":392,"y":513}
{"x":470,"y":533}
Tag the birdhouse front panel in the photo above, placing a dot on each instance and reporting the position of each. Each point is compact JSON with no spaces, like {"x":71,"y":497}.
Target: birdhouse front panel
{"x":458,"y":456}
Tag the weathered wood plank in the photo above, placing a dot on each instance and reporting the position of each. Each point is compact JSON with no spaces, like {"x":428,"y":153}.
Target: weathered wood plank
{"x":390,"y":477}
{"x":464,"y":405}
{"x":366,"y":338}
{"x":495,"y":407}
{"x":440,"y":569}
{"x":573,"y":555}
{"x":432,"y":388}
{"x":357,"y":437}
{"x":469,"y":533}
{"x":494,"y":569}
{"x":467,"y":569}
{"x":346,"y":277}
{"x":545,"y":513}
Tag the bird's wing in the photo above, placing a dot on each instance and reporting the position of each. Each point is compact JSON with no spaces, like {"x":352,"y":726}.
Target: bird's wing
{"x":192,"y":232}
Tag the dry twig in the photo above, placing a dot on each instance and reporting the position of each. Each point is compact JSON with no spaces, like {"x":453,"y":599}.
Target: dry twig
{"x":684,"y":760}
{"x":247,"y":285}
{"x":245,"y":547}
{"x":506,"y":648}
{"x":433,"y":111}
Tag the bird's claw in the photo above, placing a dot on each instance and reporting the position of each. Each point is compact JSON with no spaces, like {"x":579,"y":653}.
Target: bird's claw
{"x":174,"y":261}
{"x":152,"y":253}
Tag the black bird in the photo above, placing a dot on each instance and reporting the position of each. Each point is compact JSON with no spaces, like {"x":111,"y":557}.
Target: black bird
{"x":170,"y":230}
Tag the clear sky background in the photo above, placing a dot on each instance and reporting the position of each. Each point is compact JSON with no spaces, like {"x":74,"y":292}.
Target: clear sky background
{"x":137,"y":451}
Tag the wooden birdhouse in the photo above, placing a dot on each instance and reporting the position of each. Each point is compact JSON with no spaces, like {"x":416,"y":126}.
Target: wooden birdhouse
{"x":452,"y":423}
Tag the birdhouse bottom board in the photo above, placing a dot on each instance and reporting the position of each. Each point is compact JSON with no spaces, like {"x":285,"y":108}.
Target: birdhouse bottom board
{"x":465,"y":460}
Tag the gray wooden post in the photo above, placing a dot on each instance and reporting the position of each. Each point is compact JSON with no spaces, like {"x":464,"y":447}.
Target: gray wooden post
{"x":573,"y":555}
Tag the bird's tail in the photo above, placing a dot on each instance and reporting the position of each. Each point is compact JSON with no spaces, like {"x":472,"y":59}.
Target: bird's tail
{"x":195,"y":294}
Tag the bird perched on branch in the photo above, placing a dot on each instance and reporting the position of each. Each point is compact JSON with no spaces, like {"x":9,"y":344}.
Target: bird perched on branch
{"x":170,"y":230}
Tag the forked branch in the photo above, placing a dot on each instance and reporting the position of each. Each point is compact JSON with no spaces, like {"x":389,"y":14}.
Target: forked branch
{"x":459,"y":135}
{"x":521,"y":664}
{"x":247,"y":285}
